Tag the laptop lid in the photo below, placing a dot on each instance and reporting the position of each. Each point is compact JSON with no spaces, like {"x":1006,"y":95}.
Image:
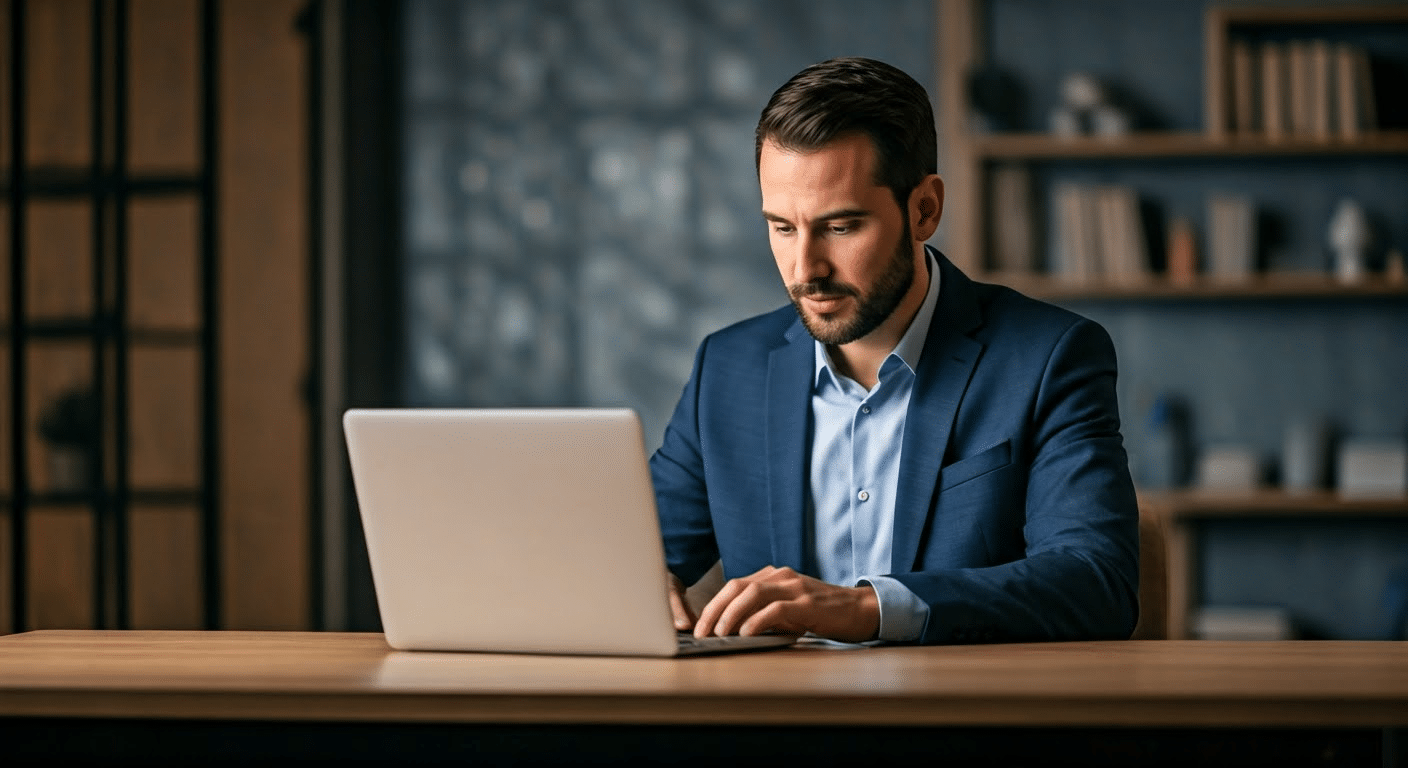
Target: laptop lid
{"x":512,"y":530}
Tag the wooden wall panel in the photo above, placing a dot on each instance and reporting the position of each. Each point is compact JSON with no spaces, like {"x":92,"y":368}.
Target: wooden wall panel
{"x":263,"y":319}
{"x":59,"y":261}
{"x":165,"y":557}
{"x":164,"y":275}
{"x":60,"y":573}
{"x":165,"y":417}
{"x":165,"y":69}
{"x":263,"y":331}
{"x":58,"y":69}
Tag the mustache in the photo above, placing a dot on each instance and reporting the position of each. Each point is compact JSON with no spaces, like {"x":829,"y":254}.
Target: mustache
{"x":824,"y":287}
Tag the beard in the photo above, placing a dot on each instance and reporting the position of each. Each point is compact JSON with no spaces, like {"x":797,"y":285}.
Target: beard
{"x":872,"y":309}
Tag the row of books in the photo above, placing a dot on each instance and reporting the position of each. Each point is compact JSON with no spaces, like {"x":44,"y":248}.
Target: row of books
{"x":1100,"y":236}
{"x":1099,"y":233}
{"x":1302,"y":89}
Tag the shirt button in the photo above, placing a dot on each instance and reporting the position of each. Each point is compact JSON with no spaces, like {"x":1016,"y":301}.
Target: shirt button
{"x":863,"y":495}
{"x":865,"y":409}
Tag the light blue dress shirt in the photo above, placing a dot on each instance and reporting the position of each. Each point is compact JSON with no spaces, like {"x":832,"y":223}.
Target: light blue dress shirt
{"x":855,"y":469}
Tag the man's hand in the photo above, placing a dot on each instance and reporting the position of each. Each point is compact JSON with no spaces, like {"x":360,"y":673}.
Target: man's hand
{"x":684,"y":617}
{"x":782,"y":601}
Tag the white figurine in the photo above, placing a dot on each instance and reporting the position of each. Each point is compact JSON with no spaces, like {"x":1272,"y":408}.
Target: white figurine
{"x":1349,"y":238}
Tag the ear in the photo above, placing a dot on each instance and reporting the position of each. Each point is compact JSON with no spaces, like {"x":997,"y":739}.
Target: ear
{"x":926,"y":207}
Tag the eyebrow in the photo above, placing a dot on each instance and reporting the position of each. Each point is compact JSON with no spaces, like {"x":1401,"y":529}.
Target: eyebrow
{"x":844,"y":213}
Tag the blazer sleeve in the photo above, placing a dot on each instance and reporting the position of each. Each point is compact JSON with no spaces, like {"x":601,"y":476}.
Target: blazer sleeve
{"x":681,"y":497}
{"x":1078,"y":578}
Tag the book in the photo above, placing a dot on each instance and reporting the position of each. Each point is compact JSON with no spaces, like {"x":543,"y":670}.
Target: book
{"x":1347,"y":110}
{"x":1244,"y":98}
{"x":1232,"y":237}
{"x":1318,"y":89}
{"x":1012,"y":222}
{"x":1128,"y":255}
{"x":1077,"y":241}
{"x":1299,"y":87}
{"x":1275,"y":122}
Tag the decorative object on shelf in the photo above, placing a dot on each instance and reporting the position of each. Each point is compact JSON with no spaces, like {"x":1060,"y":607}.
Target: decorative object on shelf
{"x":1305,"y":455}
{"x":1229,"y":468}
{"x":996,"y":98}
{"x":1182,"y":254}
{"x":1086,"y":108}
{"x":1393,"y":267}
{"x":1373,"y":468}
{"x":1168,"y":449}
{"x":1109,"y":122}
{"x":69,"y":426}
{"x":1231,"y":237}
{"x":1350,"y":238}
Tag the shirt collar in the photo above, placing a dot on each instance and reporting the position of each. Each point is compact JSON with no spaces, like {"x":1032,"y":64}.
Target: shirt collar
{"x":911,"y":344}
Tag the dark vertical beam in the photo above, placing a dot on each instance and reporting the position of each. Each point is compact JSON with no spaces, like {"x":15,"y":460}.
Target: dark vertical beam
{"x":19,"y":476}
{"x":310,"y":25}
{"x":101,"y":503}
{"x":122,"y":375}
{"x":209,"y":290}
{"x":372,"y":116}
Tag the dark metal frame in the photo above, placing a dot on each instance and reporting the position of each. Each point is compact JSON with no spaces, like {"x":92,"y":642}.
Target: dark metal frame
{"x":110,"y":187}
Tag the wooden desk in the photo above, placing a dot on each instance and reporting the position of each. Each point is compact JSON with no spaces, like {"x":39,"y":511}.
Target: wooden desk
{"x":50,"y":678}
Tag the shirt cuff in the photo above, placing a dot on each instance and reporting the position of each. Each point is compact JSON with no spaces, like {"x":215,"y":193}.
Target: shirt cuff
{"x":902,"y":614}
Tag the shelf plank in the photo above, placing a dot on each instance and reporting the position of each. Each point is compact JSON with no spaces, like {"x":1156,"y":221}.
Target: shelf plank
{"x":1288,"y":285}
{"x":1173,"y":145}
{"x":1183,"y":505}
{"x":1321,"y":14}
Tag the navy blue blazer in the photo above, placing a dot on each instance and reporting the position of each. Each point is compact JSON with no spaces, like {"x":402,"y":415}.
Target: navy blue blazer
{"x":1015,"y":517}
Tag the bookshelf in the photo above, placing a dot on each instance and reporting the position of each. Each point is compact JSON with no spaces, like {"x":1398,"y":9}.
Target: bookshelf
{"x":971,"y":158}
{"x":1200,"y":318}
{"x":1179,"y":513}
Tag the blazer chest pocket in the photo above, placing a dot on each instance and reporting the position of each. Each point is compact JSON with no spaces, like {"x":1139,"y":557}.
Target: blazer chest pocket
{"x":977,"y":465}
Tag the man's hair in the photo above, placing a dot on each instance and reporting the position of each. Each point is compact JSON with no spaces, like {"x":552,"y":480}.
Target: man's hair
{"x":847,"y":96}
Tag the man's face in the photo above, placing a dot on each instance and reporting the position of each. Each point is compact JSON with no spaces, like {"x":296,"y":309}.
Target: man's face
{"x":841,"y":242}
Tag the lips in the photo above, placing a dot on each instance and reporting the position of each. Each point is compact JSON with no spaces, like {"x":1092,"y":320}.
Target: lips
{"x":824,"y":304}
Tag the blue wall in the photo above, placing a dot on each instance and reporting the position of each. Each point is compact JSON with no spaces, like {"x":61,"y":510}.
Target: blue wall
{"x":581,"y":202}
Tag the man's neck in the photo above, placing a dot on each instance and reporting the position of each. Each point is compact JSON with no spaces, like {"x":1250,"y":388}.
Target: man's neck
{"x":861,"y":359}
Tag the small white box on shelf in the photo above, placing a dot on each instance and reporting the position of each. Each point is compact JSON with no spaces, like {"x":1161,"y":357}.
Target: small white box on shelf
{"x":1373,"y":468}
{"x":1238,"y":622}
{"x":1229,"y":468}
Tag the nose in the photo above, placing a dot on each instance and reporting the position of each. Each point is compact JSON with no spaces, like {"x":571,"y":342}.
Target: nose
{"x":812,"y":262}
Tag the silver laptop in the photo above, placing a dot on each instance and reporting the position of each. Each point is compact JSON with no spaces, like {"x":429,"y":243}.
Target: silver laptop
{"x":516,"y":530}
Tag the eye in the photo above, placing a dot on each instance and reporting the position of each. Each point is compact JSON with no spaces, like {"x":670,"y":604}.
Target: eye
{"x":849,"y":226}
{"x":782,"y":229}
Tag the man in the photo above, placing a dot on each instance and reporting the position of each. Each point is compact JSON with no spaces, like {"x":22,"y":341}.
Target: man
{"x":903,"y":454}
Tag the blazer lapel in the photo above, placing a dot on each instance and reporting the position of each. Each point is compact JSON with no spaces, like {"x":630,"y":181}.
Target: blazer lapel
{"x":945,"y":368}
{"x":791,"y":369}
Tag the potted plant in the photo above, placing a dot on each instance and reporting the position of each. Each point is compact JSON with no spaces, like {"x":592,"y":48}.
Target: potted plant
{"x":69,"y":425}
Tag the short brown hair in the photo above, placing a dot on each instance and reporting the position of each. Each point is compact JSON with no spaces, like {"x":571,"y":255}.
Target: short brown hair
{"x":846,"y":96}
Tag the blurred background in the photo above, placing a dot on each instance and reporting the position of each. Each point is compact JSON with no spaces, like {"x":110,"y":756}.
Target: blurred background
{"x":227,"y":222}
